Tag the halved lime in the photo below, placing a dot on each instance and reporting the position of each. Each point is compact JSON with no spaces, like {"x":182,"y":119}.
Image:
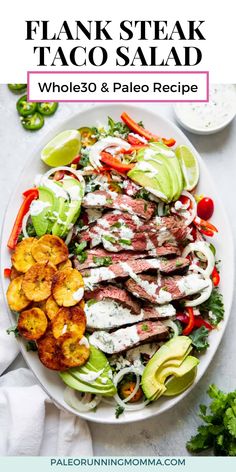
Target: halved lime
{"x":62,"y":149}
{"x":189,"y":165}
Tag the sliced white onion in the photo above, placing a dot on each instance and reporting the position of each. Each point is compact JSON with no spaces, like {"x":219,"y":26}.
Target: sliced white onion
{"x":81,"y":403}
{"x":101,"y":145}
{"x":77,"y":173}
{"x":171,"y":324}
{"x":201,"y":246}
{"x":160,"y":209}
{"x":204,"y":295}
{"x":123,"y":403}
{"x":69,"y":237}
{"x":193,"y":210}
{"x":24,"y":224}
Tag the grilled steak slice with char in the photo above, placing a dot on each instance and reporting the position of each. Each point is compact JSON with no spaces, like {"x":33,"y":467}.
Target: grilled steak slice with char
{"x":127,"y":338}
{"x":114,"y":200}
{"x":125,"y":269}
{"x":117,"y":294}
{"x":165,"y":289}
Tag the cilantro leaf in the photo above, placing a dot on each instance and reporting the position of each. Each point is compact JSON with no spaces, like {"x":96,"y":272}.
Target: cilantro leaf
{"x":230,"y":420}
{"x":117,"y":128}
{"x":219,"y":432}
{"x":13,"y":329}
{"x":102,"y":261}
{"x":199,"y":338}
{"x":213,"y":307}
{"x":119,"y":411}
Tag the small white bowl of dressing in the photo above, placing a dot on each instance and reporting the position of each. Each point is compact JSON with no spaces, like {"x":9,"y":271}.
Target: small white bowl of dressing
{"x":209,"y":117}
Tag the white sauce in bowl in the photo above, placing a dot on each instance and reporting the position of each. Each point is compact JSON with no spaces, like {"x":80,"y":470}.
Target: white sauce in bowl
{"x":210,"y":116}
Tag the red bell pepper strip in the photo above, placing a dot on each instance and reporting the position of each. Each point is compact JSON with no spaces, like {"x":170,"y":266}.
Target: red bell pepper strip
{"x":169,"y":142}
{"x":76,"y":160}
{"x":28,"y":192}
{"x":7,"y":273}
{"x":12,"y":241}
{"x":136,"y":128}
{"x":198,"y":321}
{"x":133,"y":148}
{"x":215,"y":277}
{"x":133,"y":140}
{"x":191,"y":319}
{"x":205,"y":227}
{"x":115,"y":163}
{"x":201,"y":322}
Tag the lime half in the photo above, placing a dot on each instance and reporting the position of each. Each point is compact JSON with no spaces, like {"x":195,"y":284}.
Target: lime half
{"x":62,"y":149}
{"x":189,"y":165}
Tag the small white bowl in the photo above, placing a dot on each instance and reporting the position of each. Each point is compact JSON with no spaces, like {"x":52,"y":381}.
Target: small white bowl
{"x":221,"y":89}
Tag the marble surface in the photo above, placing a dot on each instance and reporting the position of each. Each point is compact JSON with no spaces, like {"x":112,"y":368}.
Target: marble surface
{"x":168,"y":433}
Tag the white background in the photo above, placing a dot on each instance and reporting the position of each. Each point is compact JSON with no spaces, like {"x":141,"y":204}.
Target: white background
{"x":218,"y":50}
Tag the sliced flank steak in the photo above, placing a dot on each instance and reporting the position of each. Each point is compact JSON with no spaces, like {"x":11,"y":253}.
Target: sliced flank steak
{"x":162,"y":290}
{"x":127,"y":338}
{"x":103,"y":199}
{"x":120,"y":295}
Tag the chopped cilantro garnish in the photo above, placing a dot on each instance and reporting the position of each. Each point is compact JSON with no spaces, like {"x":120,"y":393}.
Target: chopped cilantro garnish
{"x":126,"y":242}
{"x":13,"y":329}
{"x":91,"y":302}
{"x":31,"y":346}
{"x":102,"y":261}
{"x":110,"y":239}
{"x":82,"y":257}
{"x":144,"y":327}
{"x":80,"y":247}
{"x":119,"y":411}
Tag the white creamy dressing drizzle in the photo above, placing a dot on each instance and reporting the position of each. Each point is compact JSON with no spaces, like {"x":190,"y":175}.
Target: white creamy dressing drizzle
{"x":150,"y":288}
{"x":97,"y":275}
{"x":90,"y":377}
{"x":116,"y":341}
{"x":94,"y":200}
{"x":107,"y":314}
{"x":146,"y":167}
{"x":78,"y":295}
{"x":140,"y":138}
{"x":54,"y":187}
{"x":206,"y":116}
{"x":191,"y":284}
{"x":37,"y":206}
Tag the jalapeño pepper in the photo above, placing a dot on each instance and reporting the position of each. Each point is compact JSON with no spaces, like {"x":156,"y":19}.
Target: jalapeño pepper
{"x":47,"y":108}
{"x":33,"y":122}
{"x":25,"y":108}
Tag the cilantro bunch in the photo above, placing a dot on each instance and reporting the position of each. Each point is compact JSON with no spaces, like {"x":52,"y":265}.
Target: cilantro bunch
{"x":219,"y":431}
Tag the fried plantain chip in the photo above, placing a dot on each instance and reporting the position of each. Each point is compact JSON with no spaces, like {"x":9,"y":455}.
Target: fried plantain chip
{"x":22,"y":258}
{"x":74,"y":354}
{"x":52,"y":307}
{"x":16,"y":297}
{"x":50,"y":248}
{"x":65,"y":265}
{"x":37,"y":282}
{"x":49,"y":352}
{"x":14,"y":273}
{"x":32,"y":323}
{"x":69,"y":320}
{"x":82,"y":304}
{"x":68,"y":287}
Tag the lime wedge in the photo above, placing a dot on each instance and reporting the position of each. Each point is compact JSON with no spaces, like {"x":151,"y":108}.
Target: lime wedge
{"x":189,"y":165}
{"x":62,"y":149}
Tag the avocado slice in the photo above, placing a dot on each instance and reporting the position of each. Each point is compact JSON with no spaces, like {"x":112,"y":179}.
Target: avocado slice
{"x":152,"y":174}
{"x":97,"y":362}
{"x":159,"y":171}
{"x":171,"y":161}
{"x":41,"y":219}
{"x":183,"y":378}
{"x":171,"y":354}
